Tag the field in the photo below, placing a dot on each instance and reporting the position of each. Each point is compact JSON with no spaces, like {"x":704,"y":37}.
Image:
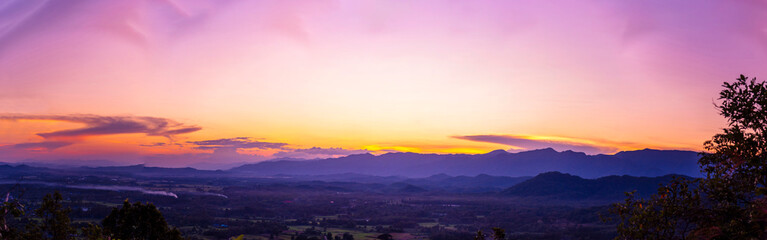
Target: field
{"x":265,"y":208}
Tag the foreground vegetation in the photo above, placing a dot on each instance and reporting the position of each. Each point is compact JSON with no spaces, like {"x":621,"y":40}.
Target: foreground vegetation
{"x":51,"y":221}
{"x":729,"y":203}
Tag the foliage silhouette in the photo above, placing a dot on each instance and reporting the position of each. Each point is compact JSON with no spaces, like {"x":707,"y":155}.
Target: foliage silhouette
{"x":13,"y":208}
{"x":499,"y":234}
{"x":138,"y":221}
{"x":480,"y":235}
{"x":54,"y":220}
{"x":729,"y":203}
{"x":385,"y":236}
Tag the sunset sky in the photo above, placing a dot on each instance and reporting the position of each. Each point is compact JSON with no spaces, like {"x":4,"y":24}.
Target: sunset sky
{"x":216,"y":83}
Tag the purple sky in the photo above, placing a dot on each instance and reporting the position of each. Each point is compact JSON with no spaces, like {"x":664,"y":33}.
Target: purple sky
{"x":137,"y":81}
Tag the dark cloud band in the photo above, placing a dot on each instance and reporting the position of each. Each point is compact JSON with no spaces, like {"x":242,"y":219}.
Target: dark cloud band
{"x":42,"y":145}
{"x":108,"y":125}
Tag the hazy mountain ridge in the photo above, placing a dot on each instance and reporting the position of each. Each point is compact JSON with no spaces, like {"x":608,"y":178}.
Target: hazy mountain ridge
{"x":400,"y":166}
{"x":344,"y":182}
{"x":556,"y":185}
{"x":544,"y":186}
{"x":476,"y":184}
{"x":646,"y":162}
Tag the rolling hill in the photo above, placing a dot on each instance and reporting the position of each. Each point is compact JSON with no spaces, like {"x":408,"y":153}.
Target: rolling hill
{"x":556,"y":185}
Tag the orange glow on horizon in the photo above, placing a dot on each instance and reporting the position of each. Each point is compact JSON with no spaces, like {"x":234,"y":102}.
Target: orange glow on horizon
{"x":262,"y":79}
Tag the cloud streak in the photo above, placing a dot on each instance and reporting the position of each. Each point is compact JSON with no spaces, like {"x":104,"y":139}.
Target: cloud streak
{"x":96,"y":125}
{"x":157,"y":144}
{"x":329,"y":151}
{"x":317,"y":152}
{"x":519,"y":142}
{"x":236,"y":143}
{"x":38,"y":146}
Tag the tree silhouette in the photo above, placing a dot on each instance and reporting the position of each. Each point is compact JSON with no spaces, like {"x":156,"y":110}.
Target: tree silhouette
{"x":672,"y":213}
{"x":93,"y":232}
{"x":138,"y":221}
{"x":385,"y":236}
{"x":54,"y":220}
{"x":10,"y":207}
{"x":736,"y":168}
{"x":480,"y":235}
{"x":729,"y":203}
{"x":499,"y":234}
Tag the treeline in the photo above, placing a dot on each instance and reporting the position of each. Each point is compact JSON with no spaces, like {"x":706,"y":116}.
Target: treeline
{"x":314,"y":234}
{"x":242,"y":227}
{"x":51,"y":220}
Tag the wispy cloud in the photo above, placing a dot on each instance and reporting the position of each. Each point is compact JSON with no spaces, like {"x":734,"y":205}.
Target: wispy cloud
{"x":317,"y":152}
{"x":39,"y":146}
{"x":236,"y":143}
{"x":107,"y":125}
{"x":520,"y":142}
{"x":157,"y":144}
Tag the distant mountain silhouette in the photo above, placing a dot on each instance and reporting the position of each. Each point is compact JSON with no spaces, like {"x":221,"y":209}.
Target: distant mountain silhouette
{"x":476,"y":184}
{"x":556,"y":185}
{"x":142,"y":170}
{"x":543,"y":187}
{"x":499,"y":163}
{"x":409,"y":188}
{"x":427,"y":170}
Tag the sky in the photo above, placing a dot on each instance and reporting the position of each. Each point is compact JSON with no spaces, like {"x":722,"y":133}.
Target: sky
{"x":216,"y":83}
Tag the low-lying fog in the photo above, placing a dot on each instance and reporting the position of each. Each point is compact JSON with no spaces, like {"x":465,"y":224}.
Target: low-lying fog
{"x":114,"y":188}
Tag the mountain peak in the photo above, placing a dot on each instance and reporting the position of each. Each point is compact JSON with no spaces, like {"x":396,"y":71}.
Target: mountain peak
{"x":548,"y":149}
{"x":555,"y":174}
{"x":440,"y":176}
{"x":360,"y":155}
{"x":496,"y":152}
{"x":540,"y":152}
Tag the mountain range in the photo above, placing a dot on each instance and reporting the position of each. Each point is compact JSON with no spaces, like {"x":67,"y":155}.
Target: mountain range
{"x":647,"y":162}
{"x":543,"y":187}
{"x":563,"y":175}
{"x":369,"y":167}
